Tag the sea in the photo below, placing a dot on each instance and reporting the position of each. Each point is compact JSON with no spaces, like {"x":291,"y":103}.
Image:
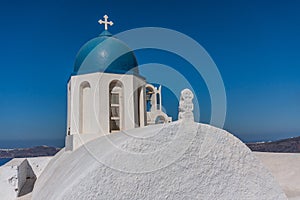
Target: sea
{"x":4,"y":160}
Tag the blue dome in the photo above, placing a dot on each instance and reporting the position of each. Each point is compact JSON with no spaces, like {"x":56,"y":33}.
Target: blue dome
{"x":105,"y":54}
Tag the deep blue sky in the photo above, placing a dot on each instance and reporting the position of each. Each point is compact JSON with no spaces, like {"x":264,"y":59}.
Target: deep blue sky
{"x":255,"y":45}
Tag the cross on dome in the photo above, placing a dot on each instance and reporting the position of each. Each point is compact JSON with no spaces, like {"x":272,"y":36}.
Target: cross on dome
{"x":105,"y":22}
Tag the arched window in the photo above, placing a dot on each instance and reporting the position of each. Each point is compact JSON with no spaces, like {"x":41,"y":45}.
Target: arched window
{"x":116,"y":106}
{"x":84,"y":107}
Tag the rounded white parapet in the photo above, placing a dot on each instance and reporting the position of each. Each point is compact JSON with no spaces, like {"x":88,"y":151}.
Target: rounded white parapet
{"x":175,"y":160}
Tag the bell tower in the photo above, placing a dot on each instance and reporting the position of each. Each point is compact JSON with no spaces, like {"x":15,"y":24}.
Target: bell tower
{"x":106,"y":94}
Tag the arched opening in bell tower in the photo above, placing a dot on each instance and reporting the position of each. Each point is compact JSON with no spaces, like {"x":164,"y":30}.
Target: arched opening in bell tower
{"x":84,"y":107}
{"x":116,"y":106}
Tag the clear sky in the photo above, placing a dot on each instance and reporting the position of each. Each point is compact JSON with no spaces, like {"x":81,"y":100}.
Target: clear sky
{"x":255,"y":45}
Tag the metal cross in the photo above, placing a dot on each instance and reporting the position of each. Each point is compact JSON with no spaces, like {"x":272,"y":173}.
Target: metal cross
{"x":105,"y":22}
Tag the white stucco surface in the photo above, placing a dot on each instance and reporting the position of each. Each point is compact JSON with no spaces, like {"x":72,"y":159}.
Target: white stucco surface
{"x":38,"y":164}
{"x":285,"y":167}
{"x":170,"y":161}
{"x":15,"y":174}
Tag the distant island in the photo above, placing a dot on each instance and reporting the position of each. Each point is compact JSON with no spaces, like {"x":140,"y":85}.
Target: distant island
{"x":29,"y":152}
{"x":290,"y":145}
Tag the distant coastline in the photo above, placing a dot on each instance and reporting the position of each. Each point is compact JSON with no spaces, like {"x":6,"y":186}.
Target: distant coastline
{"x":29,"y":152}
{"x":290,"y":145}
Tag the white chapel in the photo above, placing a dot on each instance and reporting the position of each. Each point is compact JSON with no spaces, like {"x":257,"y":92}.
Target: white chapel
{"x":106,"y":93}
{"x":180,"y":160}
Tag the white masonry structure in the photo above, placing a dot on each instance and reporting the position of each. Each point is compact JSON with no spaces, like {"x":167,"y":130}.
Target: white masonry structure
{"x":106,"y":93}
